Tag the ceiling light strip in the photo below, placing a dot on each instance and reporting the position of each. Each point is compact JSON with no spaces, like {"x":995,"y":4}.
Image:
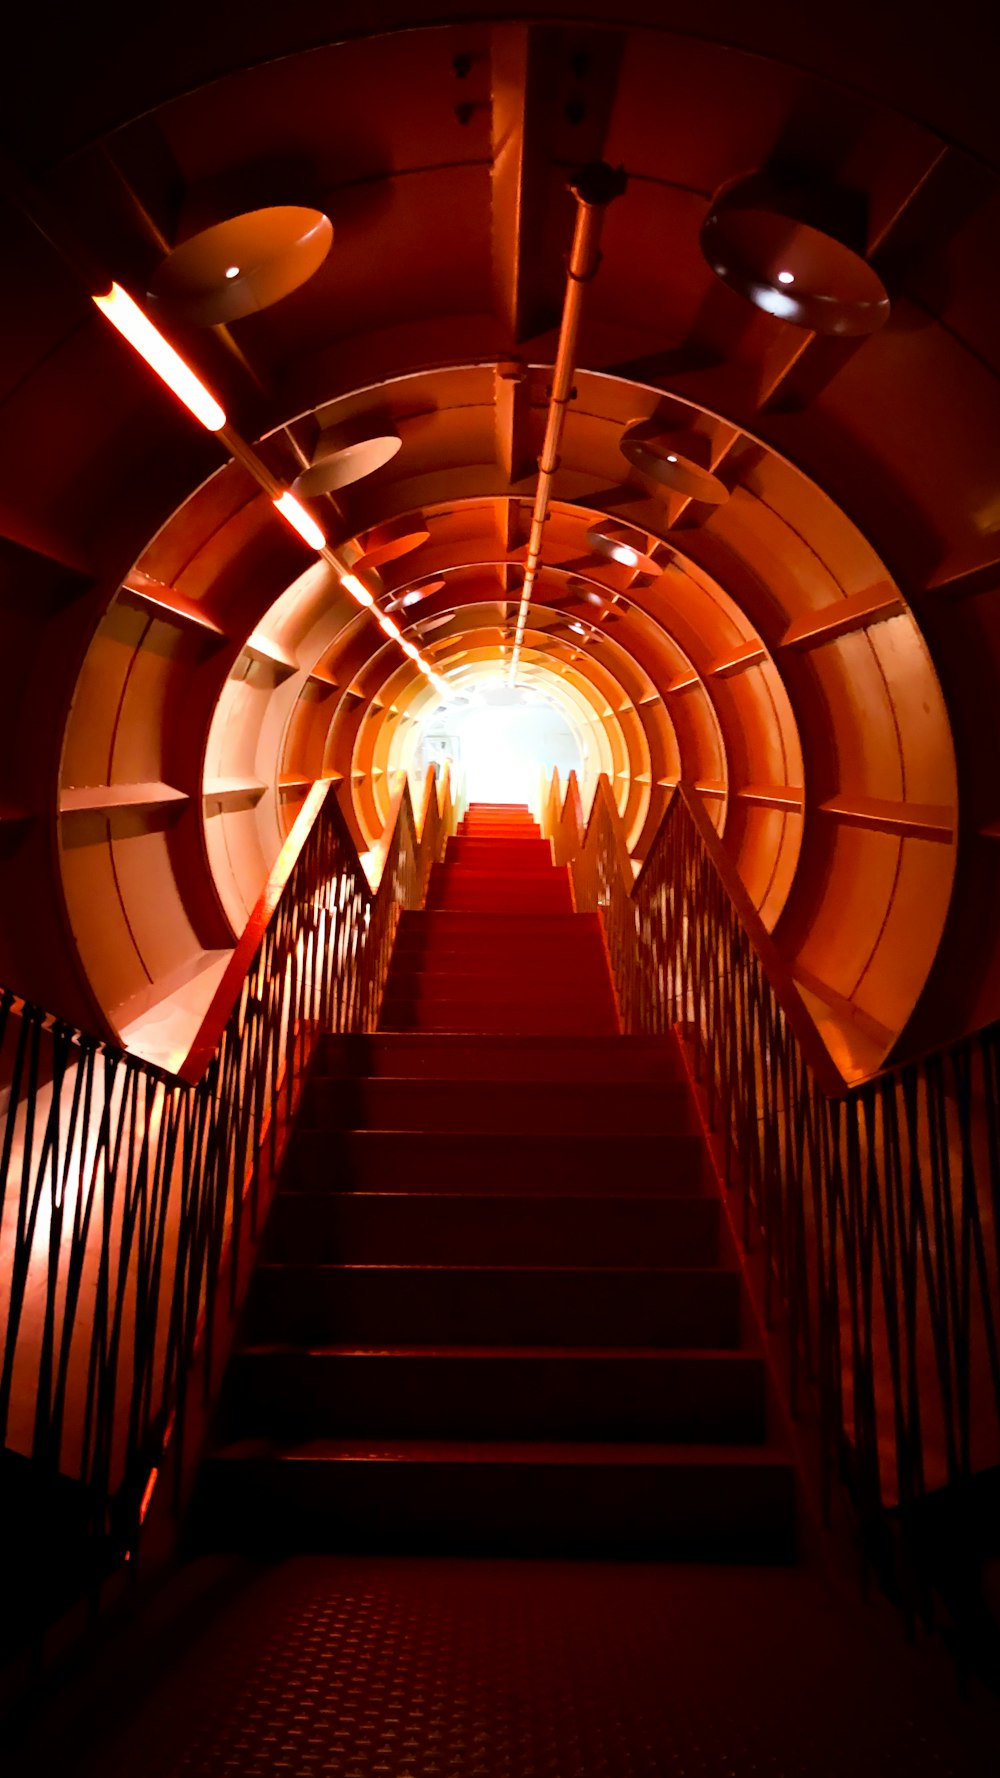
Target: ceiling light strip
{"x":594,"y":188}
{"x":302,"y":521}
{"x":126,"y":316}
{"x":129,"y":320}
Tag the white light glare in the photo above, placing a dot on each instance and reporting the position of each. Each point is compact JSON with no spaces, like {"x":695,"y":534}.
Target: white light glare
{"x":300,"y":520}
{"x":125,"y":315}
{"x":232,"y":271}
{"x":351,"y":584}
{"x":786,"y":277}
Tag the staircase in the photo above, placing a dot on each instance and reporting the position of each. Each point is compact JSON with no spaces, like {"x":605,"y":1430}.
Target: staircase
{"x":495,"y":1314}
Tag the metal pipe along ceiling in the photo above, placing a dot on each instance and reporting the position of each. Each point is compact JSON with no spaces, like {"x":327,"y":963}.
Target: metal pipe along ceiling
{"x":594,"y":187}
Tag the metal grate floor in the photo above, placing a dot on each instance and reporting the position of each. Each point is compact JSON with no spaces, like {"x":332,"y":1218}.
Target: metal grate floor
{"x":378,"y":1668}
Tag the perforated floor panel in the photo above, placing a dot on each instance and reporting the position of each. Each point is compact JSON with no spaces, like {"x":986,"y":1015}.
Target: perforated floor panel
{"x":368,"y":1668}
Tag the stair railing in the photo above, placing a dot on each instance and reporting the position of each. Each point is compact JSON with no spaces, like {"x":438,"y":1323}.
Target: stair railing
{"x":128,"y":1195}
{"x":872,"y":1209}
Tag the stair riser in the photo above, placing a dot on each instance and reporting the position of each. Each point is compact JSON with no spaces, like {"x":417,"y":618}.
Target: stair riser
{"x":493,"y":988}
{"x":664,"y":1400}
{"x":488,"y":898}
{"x":501,"y":856}
{"x":470,"y":1016}
{"x":593,"y":1166}
{"x":426,"y":1230}
{"x":533,"y":929}
{"x":557,"y":970}
{"x":696,"y":1514}
{"x":502,"y":1058}
{"x":530,"y":1107}
{"x":413,"y":1305}
{"x":560,"y":951}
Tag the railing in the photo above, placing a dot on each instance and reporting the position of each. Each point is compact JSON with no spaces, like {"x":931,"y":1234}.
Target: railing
{"x":128,"y":1195}
{"x":873,"y":1210}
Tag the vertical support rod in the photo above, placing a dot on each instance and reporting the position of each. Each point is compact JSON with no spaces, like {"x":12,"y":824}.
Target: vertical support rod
{"x":594,"y":187}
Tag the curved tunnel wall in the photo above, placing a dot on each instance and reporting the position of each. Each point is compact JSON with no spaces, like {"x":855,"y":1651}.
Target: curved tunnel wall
{"x":803,"y":653}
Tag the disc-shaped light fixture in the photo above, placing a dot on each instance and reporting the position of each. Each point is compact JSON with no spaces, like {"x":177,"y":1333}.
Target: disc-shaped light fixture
{"x":676,"y":460}
{"x":414,"y":595}
{"x":576,"y":588}
{"x":346,"y":454}
{"x":386,"y":543}
{"x":245,"y":264}
{"x":624,"y":544}
{"x":795,"y":251}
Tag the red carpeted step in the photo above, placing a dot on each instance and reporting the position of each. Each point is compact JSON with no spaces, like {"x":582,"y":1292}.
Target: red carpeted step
{"x":500,"y":1161}
{"x":491,"y":892}
{"x":539,"y":1107}
{"x":683,"y":1502}
{"x":406,"y":1054}
{"x":429,"y":987}
{"x":495,"y":1392}
{"x":424,"y":1228}
{"x":446,"y":976}
{"x":562,"y":958}
{"x":468,"y":1008}
{"x":556,"y":1020}
{"x":522,"y":934}
{"x":486,"y":854}
{"x":517,"y":1305}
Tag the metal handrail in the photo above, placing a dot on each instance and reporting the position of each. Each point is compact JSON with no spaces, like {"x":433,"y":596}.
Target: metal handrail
{"x":128,"y":1194}
{"x":872,"y":1209}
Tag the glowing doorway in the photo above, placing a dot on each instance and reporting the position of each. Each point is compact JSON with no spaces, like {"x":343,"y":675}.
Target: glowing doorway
{"x":501,"y":741}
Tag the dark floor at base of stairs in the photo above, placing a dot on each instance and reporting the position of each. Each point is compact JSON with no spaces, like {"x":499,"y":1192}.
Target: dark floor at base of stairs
{"x":334,"y":1667}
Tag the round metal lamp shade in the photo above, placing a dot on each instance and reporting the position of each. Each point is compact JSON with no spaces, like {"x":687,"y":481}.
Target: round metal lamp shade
{"x":624,"y":544}
{"x":415,"y":595}
{"x":345,"y":454}
{"x":390,"y":541}
{"x":789,"y":266}
{"x":243,"y":265}
{"x":669,"y":459}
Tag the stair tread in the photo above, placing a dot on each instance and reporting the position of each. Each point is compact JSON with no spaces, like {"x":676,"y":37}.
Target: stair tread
{"x":680,"y":1354}
{"x":479,"y":1451}
{"x":619,"y":1043}
{"x":549,"y":1138}
{"x":561,"y":1199}
{"x":630,"y":1272}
